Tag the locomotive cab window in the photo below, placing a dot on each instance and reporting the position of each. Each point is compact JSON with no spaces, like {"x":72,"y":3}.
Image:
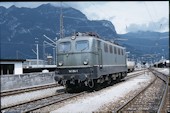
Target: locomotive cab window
{"x":82,"y":45}
{"x":64,"y":46}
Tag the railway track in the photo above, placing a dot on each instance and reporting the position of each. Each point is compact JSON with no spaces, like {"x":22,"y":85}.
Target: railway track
{"x":39,"y":103}
{"x":167,"y":105}
{"x":134,"y":75}
{"x":42,"y":102}
{"x":29,"y":89}
{"x":150,"y":99}
{"x":163,"y":108}
{"x":35,"y":88}
{"x":36,"y":109}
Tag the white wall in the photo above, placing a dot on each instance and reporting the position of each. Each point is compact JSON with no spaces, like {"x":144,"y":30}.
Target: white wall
{"x":26,"y":80}
{"x":18,"y":68}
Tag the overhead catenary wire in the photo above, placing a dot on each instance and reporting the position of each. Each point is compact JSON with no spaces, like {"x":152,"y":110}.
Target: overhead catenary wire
{"x":22,"y":54}
{"x":148,"y":45}
{"x":106,"y":15}
{"x":14,"y":43}
{"x":61,"y":21}
{"x":74,"y":18}
{"x":150,"y":15}
{"x":159,"y":27}
{"x":92,"y":27}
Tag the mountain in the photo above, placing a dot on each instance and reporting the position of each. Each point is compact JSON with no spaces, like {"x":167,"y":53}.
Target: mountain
{"x":154,"y":45}
{"x":146,"y":35}
{"x":21,"y":27}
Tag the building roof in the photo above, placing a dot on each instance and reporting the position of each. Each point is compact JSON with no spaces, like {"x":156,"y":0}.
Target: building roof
{"x":12,"y":60}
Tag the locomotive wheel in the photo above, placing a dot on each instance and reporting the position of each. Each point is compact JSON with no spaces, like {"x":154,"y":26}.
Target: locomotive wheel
{"x":75,"y":88}
{"x":72,"y":88}
{"x":109,"y":81}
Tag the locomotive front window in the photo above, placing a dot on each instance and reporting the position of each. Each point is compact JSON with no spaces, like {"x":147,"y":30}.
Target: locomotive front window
{"x":82,"y":45}
{"x":64,"y":46}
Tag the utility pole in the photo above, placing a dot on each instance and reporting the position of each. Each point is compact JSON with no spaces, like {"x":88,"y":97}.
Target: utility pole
{"x":61,"y":21}
{"x":37,"y":51}
{"x":44,"y":52}
{"x":56,"y":51}
{"x":37,"y":55}
{"x":54,"y":56}
{"x":53,"y":44}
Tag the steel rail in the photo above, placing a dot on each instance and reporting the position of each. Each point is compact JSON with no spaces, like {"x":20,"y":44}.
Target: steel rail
{"x":3,"y":108}
{"x":162,"y":99}
{"x":144,"y":89}
{"x":53,"y":102}
{"x":29,"y":89}
{"x":165,"y":91}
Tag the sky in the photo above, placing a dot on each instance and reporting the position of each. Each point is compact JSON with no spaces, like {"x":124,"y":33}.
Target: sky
{"x":126,"y":16}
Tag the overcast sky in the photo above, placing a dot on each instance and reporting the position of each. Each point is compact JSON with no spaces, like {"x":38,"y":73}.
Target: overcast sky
{"x":125,"y":15}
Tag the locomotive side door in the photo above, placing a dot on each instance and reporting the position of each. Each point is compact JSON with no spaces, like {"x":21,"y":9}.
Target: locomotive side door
{"x":99,"y":54}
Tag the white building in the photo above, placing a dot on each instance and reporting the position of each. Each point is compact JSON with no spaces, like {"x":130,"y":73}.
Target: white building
{"x":11,"y":66}
{"x":33,"y":63}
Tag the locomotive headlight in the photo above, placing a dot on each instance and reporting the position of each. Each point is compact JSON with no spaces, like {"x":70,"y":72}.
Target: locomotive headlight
{"x":73,"y":37}
{"x":85,"y":62}
{"x":60,"y":63}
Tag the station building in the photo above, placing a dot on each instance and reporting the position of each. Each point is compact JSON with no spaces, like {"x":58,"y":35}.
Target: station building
{"x":11,"y":66}
{"x":21,"y":66}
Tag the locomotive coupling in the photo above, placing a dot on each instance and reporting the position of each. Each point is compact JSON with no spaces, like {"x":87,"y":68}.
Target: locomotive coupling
{"x":90,"y":83}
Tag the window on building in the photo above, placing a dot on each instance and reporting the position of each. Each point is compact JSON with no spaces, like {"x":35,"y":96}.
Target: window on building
{"x":7,"y":69}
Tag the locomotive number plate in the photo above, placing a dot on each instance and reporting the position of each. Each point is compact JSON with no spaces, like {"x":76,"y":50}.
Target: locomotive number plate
{"x":73,"y":71}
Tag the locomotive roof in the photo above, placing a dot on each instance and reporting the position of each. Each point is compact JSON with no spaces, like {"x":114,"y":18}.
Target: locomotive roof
{"x":93,"y":35}
{"x":88,"y":34}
